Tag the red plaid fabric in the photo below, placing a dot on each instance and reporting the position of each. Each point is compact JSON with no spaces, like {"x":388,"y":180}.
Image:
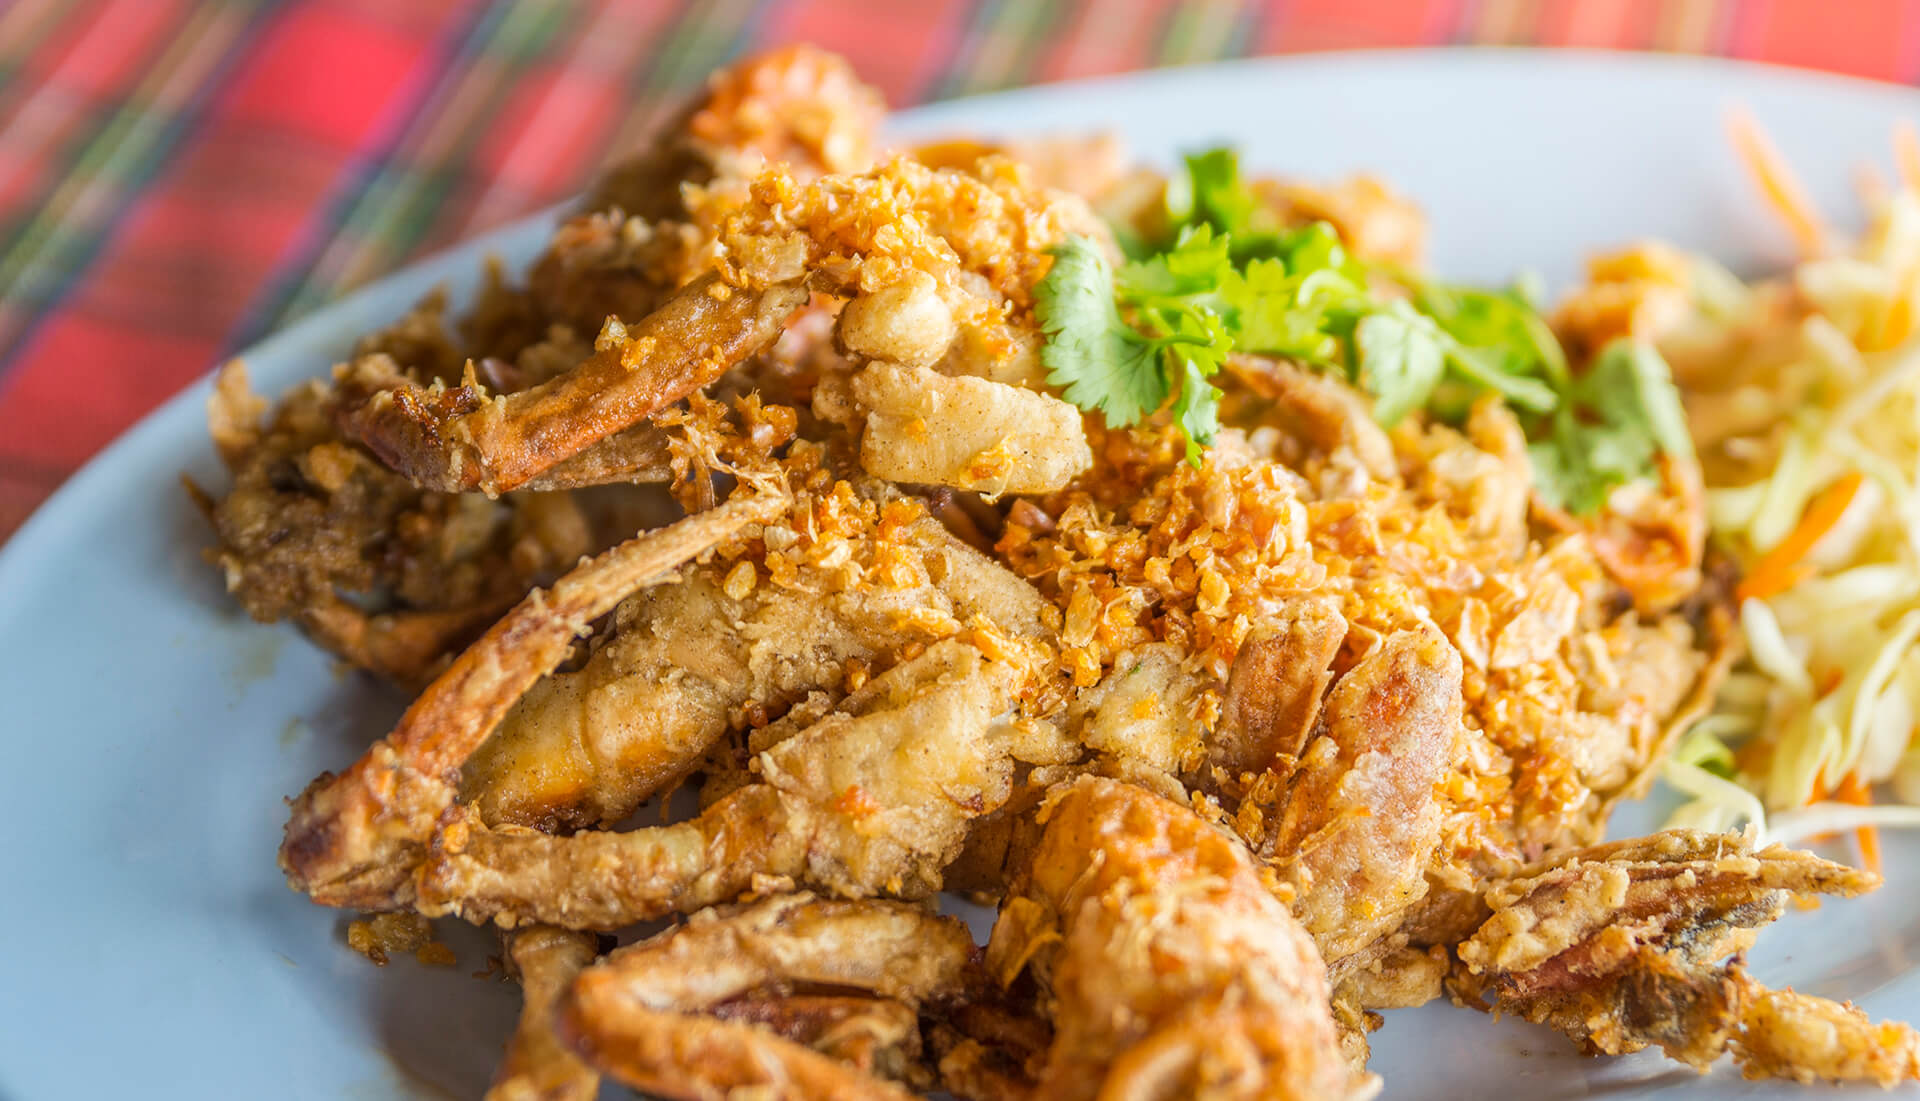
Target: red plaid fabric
{"x":178,"y":177}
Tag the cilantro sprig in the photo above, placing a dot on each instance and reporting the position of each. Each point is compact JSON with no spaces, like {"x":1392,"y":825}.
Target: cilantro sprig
{"x":1226,"y":277}
{"x":1615,"y":422}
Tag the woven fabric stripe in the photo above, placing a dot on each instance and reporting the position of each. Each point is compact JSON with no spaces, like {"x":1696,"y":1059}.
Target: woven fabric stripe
{"x":178,"y":177}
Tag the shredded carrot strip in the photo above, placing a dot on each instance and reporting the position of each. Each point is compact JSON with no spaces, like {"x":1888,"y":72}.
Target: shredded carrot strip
{"x":1871,"y":186}
{"x":1777,"y":182}
{"x":1828,"y":681}
{"x":1897,"y":324}
{"x":1819,"y":791}
{"x":1781,"y":568}
{"x":1855,"y":791}
{"x":1906,"y":155}
{"x":1818,"y":794}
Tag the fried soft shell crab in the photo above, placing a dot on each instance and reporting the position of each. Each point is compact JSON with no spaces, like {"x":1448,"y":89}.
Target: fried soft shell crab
{"x":1327,"y":720}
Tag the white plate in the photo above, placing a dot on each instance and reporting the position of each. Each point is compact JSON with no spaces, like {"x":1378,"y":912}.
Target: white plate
{"x":151,"y":730}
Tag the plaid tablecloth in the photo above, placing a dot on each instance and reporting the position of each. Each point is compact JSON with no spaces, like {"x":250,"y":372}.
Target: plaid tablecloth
{"x":178,"y":177}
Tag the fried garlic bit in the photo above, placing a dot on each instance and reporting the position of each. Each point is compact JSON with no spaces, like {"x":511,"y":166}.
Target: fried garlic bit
{"x":758,"y":483}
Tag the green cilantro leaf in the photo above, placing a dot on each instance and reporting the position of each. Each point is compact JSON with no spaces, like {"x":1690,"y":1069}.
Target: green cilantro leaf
{"x":1509,"y":336}
{"x":1227,"y":277}
{"x":1098,"y":360}
{"x":1630,"y":385}
{"x":1615,"y":421}
{"x":1193,"y":268}
{"x":1197,"y":409}
{"x":1210,"y":193}
{"x":1400,"y":359}
{"x":1485,"y":367}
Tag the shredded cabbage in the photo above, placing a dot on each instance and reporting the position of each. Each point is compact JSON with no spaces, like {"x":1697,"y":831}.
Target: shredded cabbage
{"x":1823,"y":373}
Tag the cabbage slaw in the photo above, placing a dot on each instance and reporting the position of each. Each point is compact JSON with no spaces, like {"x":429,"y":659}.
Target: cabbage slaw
{"x":1821,"y":507}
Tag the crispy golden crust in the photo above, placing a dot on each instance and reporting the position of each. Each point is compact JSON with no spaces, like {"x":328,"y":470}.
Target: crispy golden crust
{"x":1275,"y":687}
{"x":538,"y":1067}
{"x":1627,"y":945}
{"x":927,"y":428}
{"x":1171,"y":970}
{"x":1788,"y":1035}
{"x":640,"y":1014}
{"x":841,"y":585}
{"x":652,"y":222}
{"x":1362,"y":817}
{"x":351,"y":838}
{"x":876,"y":801}
{"x":459,"y":438}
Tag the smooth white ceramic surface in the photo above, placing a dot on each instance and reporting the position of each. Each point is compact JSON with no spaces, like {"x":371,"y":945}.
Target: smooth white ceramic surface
{"x":151,"y":731}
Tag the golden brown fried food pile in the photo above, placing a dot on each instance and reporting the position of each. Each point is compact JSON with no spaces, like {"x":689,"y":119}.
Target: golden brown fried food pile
{"x":1243,"y":749}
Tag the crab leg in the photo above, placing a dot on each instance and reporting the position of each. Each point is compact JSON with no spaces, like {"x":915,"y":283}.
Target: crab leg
{"x":538,"y":1067}
{"x":585,"y":747}
{"x":638,"y":1014}
{"x":348,"y":834}
{"x":459,"y":439}
{"x":1628,"y":945}
{"x":639,"y":454}
{"x":875,"y":799}
{"x":407,"y":646}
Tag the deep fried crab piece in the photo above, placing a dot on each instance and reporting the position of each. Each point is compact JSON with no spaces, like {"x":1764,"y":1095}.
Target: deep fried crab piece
{"x":386,"y":576}
{"x":1637,"y":943}
{"x":538,"y":1066}
{"x":1169,"y":969}
{"x":1650,"y":537}
{"x":352,"y":839}
{"x":1807,"y":1039}
{"x":796,"y":105}
{"x":666,"y":1015}
{"x":1275,"y":689}
{"x":875,"y":798}
{"x":967,"y":433}
{"x":461,"y":438}
{"x":1361,"y":816}
{"x":839,"y":587}
{"x":651,"y":223}
{"x":937,"y":267}
{"x":871,"y":1035}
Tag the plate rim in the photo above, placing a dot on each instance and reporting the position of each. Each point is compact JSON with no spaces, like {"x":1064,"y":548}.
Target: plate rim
{"x":24,"y":555}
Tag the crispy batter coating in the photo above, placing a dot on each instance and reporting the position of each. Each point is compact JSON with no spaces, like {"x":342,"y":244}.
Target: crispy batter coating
{"x":1627,"y":945}
{"x":980,"y":237}
{"x":538,"y":1066}
{"x":646,"y":1014}
{"x":461,"y":438}
{"x":839,"y":582}
{"x":873,"y":799}
{"x":927,"y":428}
{"x":652,"y":222}
{"x":1362,"y":816}
{"x":1275,"y":687}
{"x":1170,"y":969}
{"x":351,"y":839}
{"x":1788,"y":1035}
{"x":1567,"y":696}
